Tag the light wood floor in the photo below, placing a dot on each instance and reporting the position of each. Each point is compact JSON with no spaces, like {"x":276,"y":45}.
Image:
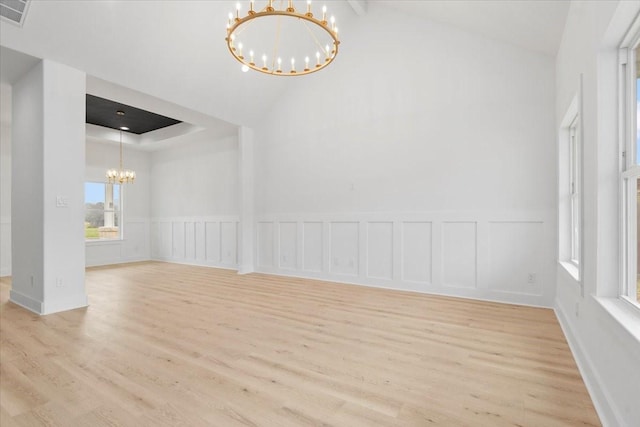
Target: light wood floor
{"x":165,"y":344}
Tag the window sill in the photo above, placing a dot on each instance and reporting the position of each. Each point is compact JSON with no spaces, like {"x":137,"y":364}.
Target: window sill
{"x":571,"y":269}
{"x":99,"y":242}
{"x":624,"y":313}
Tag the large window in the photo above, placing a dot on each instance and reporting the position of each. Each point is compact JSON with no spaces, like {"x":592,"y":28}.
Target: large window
{"x":570,"y":189}
{"x":103,"y":215}
{"x":574,"y":189}
{"x":631,"y":170}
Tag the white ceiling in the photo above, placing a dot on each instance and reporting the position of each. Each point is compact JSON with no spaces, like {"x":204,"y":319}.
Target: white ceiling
{"x":535,"y":25}
{"x":174,"y":50}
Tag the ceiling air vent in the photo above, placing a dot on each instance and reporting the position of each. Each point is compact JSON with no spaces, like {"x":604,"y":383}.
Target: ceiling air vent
{"x":14,"y":10}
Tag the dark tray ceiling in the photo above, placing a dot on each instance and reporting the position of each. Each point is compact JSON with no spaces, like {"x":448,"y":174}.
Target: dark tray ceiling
{"x":102,"y":112}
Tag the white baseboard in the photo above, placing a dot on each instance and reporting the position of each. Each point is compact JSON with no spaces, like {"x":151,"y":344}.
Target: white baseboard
{"x":197,"y":263}
{"x":600,"y":397}
{"x":49,"y":307}
{"x":246,"y":269}
{"x":65,"y":304}
{"x":25,"y":301}
{"x":421,"y":288}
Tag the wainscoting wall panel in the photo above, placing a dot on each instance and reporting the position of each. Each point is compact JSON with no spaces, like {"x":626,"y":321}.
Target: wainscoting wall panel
{"x":512,"y":264}
{"x":345,"y":248}
{"x":265,"y":244}
{"x":459,"y":254}
{"x":494,"y":256}
{"x":201,"y":241}
{"x":178,"y":239}
{"x":312,"y":246}
{"x":212,"y":242}
{"x":190,"y":240}
{"x":288,"y":245}
{"x":380,"y":250}
{"x":416,"y":252}
{"x":209,"y":241}
{"x":229,"y":243}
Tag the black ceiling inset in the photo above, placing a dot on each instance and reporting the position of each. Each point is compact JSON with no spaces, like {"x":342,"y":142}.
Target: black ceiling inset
{"x":102,"y":112}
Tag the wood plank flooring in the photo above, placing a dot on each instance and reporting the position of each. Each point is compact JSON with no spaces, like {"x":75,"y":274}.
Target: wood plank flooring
{"x":165,"y":344}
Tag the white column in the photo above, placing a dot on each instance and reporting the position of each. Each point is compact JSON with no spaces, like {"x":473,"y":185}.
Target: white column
{"x":109,"y":215}
{"x":245,"y":171}
{"x":47,"y":189}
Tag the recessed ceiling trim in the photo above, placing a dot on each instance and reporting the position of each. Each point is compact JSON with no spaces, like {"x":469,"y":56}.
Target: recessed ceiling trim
{"x":14,"y":11}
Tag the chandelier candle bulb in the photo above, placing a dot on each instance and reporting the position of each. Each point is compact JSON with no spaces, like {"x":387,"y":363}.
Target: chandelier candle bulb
{"x":240,"y":50}
{"x":324,"y":14}
{"x":264,"y":62}
{"x":251,"y":7}
{"x":317,"y":59}
{"x":309,"y":8}
{"x":238,"y":11}
{"x":251,"y":58}
{"x":306,"y":63}
{"x":279,"y":70}
{"x":293,"y":65}
{"x":290,"y":8}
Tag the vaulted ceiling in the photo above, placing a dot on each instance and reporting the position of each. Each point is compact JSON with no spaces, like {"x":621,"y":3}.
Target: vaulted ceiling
{"x":174,"y":50}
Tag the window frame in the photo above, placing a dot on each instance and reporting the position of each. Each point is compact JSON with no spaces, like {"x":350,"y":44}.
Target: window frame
{"x":629,"y":166}
{"x":570,"y":185}
{"x":575,"y":190}
{"x":118,"y":213}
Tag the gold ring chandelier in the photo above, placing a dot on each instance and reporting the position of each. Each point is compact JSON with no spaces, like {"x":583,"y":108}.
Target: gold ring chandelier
{"x":262,"y":39}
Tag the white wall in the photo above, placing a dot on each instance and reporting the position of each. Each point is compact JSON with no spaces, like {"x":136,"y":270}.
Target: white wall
{"x":421,"y":159}
{"x":136,"y":204}
{"x":5,"y":180}
{"x":194,"y":200}
{"x":605,"y":347}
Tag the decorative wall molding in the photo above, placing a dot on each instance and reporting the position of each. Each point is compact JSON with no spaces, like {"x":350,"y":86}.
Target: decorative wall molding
{"x":209,"y":241}
{"x":491,"y":256}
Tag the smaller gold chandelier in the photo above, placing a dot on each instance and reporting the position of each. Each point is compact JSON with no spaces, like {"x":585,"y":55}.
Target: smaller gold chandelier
{"x":121,"y":176}
{"x":260,"y":39}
